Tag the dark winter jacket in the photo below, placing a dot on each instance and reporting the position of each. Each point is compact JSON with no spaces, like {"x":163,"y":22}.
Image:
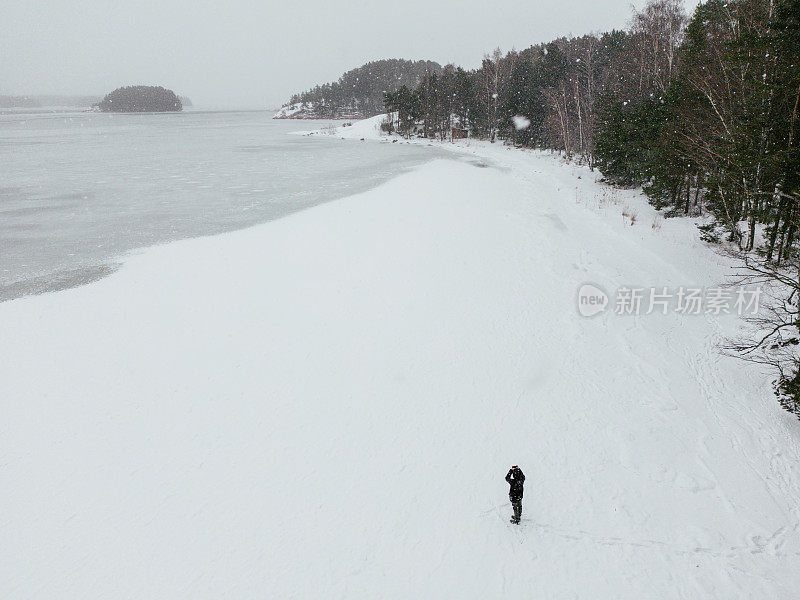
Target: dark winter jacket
{"x":516,"y":478}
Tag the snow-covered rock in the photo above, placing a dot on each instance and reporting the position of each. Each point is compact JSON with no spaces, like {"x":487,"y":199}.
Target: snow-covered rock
{"x":299,"y":110}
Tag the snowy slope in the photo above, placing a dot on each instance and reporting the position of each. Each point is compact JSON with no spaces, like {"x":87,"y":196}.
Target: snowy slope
{"x":298,"y":110}
{"x":365,"y":128}
{"x":325,"y":406}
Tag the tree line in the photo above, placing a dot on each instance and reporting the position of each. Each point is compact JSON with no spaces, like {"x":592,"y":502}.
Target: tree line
{"x":701,"y":111}
{"x":358,"y":93}
{"x":141,"y":98}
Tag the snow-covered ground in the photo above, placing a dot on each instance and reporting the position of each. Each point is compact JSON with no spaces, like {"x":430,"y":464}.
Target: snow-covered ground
{"x":325,"y":406}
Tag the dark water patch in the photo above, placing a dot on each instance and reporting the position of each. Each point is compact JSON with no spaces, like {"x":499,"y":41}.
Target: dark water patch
{"x":55,"y":282}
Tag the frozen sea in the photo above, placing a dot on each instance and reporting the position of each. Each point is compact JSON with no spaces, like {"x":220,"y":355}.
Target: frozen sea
{"x":79,"y":189}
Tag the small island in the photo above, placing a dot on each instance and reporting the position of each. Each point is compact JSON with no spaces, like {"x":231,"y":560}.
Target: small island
{"x":141,"y":98}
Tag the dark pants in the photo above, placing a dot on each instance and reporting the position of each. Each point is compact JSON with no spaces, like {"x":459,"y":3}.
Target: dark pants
{"x":517,"y":506}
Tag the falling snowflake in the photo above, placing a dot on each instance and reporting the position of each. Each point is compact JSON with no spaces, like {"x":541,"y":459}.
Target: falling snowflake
{"x":521,"y":122}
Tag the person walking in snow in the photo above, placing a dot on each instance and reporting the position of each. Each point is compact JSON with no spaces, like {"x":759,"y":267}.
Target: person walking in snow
{"x":516,"y":479}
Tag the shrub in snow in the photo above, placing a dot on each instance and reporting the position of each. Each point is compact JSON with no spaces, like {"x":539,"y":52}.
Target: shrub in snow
{"x":788,"y":392}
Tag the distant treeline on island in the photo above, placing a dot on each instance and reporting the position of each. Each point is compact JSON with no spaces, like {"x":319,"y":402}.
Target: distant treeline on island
{"x":141,"y":98}
{"x":359,"y":92}
{"x":49,"y":100}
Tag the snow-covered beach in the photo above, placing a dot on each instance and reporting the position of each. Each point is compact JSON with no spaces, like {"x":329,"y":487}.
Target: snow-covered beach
{"x":118,"y":182}
{"x":324,"y":406}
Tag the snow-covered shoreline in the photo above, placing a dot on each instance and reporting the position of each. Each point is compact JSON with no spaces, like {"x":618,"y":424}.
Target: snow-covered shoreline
{"x":326,"y":405}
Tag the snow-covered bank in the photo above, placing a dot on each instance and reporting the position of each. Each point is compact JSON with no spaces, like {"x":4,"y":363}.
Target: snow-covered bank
{"x":299,"y":110}
{"x":326,"y":405}
{"x":366,"y":129}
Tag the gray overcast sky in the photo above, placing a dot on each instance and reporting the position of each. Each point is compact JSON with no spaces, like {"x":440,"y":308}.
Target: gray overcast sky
{"x":255,"y":53}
